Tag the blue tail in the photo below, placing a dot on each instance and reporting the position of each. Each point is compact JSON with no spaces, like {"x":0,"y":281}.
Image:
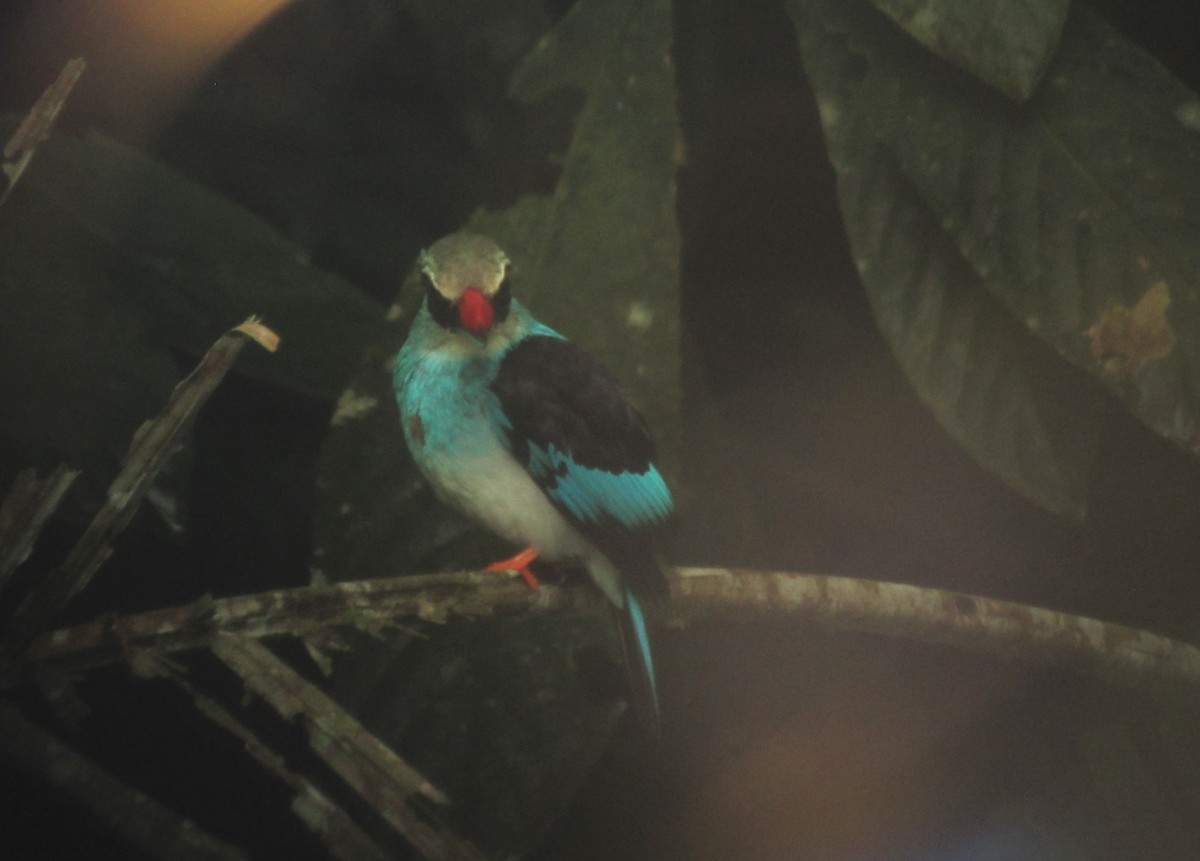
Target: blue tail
{"x":638,"y":623}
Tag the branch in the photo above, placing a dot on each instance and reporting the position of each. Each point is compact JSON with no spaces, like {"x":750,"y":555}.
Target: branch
{"x":1112,"y":652}
{"x":148,"y":826}
{"x":1106,"y":650}
{"x":345,"y":840}
{"x":28,"y":505}
{"x":35,"y":128}
{"x":371,"y":768}
{"x":152,"y":447}
{"x":310,"y":611}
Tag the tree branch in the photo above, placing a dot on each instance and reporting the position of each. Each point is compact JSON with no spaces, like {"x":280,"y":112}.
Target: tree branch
{"x":25,"y":510}
{"x":35,"y":128}
{"x":1108,"y":651}
{"x":319,"y":813}
{"x":152,"y":447}
{"x":371,"y":768}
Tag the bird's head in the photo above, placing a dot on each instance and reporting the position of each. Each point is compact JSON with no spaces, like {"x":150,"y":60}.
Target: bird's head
{"x":465,"y":286}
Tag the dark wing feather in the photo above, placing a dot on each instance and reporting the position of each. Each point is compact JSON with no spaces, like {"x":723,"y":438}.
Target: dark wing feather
{"x":572,"y":427}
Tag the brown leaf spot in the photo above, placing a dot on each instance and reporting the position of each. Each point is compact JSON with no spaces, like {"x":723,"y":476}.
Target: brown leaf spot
{"x":416,"y":429}
{"x":1124,"y":340}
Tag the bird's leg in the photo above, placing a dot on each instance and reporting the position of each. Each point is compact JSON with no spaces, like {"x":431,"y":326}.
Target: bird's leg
{"x":519,"y":563}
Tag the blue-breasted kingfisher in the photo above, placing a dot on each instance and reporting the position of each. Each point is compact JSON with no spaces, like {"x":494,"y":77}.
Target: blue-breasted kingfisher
{"x":531,"y":437}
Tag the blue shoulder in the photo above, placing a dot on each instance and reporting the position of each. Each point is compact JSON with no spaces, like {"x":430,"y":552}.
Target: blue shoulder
{"x":572,"y":427}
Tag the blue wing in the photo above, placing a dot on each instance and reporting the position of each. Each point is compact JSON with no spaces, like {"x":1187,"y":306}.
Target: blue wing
{"x":594,"y":495}
{"x":570,"y":424}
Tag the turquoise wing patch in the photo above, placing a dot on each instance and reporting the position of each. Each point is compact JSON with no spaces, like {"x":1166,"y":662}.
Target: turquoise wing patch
{"x":592,"y":495}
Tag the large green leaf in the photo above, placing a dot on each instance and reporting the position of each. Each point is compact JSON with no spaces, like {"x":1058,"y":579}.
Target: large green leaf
{"x":599,"y":260}
{"x":80,"y":367}
{"x":498,"y":715}
{"x":111,"y":264}
{"x":1074,"y":215}
{"x":193,"y":263}
{"x":1004,"y":397}
{"x":1006,"y":43}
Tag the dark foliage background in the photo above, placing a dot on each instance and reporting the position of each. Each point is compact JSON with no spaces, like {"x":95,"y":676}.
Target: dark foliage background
{"x":362,"y":132}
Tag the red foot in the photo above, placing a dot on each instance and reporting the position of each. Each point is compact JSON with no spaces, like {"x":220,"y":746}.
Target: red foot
{"x":519,"y":563}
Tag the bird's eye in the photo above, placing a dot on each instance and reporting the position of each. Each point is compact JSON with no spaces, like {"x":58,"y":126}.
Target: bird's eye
{"x":440,"y":308}
{"x":501,"y":300}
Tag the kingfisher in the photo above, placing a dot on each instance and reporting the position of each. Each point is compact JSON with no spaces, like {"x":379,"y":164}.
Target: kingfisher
{"x":530,"y":436}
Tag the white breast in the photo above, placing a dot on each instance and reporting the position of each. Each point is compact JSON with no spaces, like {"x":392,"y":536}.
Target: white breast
{"x":448,"y":416}
{"x":492,"y":488}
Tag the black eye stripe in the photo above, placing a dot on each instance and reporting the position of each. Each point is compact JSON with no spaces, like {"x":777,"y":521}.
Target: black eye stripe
{"x":445,"y":313}
{"x":440,"y":308}
{"x":502,"y":300}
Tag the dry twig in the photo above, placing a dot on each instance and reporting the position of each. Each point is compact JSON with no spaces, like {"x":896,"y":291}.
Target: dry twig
{"x":25,"y":510}
{"x":370,"y":767}
{"x":319,"y":813}
{"x":35,"y":128}
{"x":152,"y":447}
